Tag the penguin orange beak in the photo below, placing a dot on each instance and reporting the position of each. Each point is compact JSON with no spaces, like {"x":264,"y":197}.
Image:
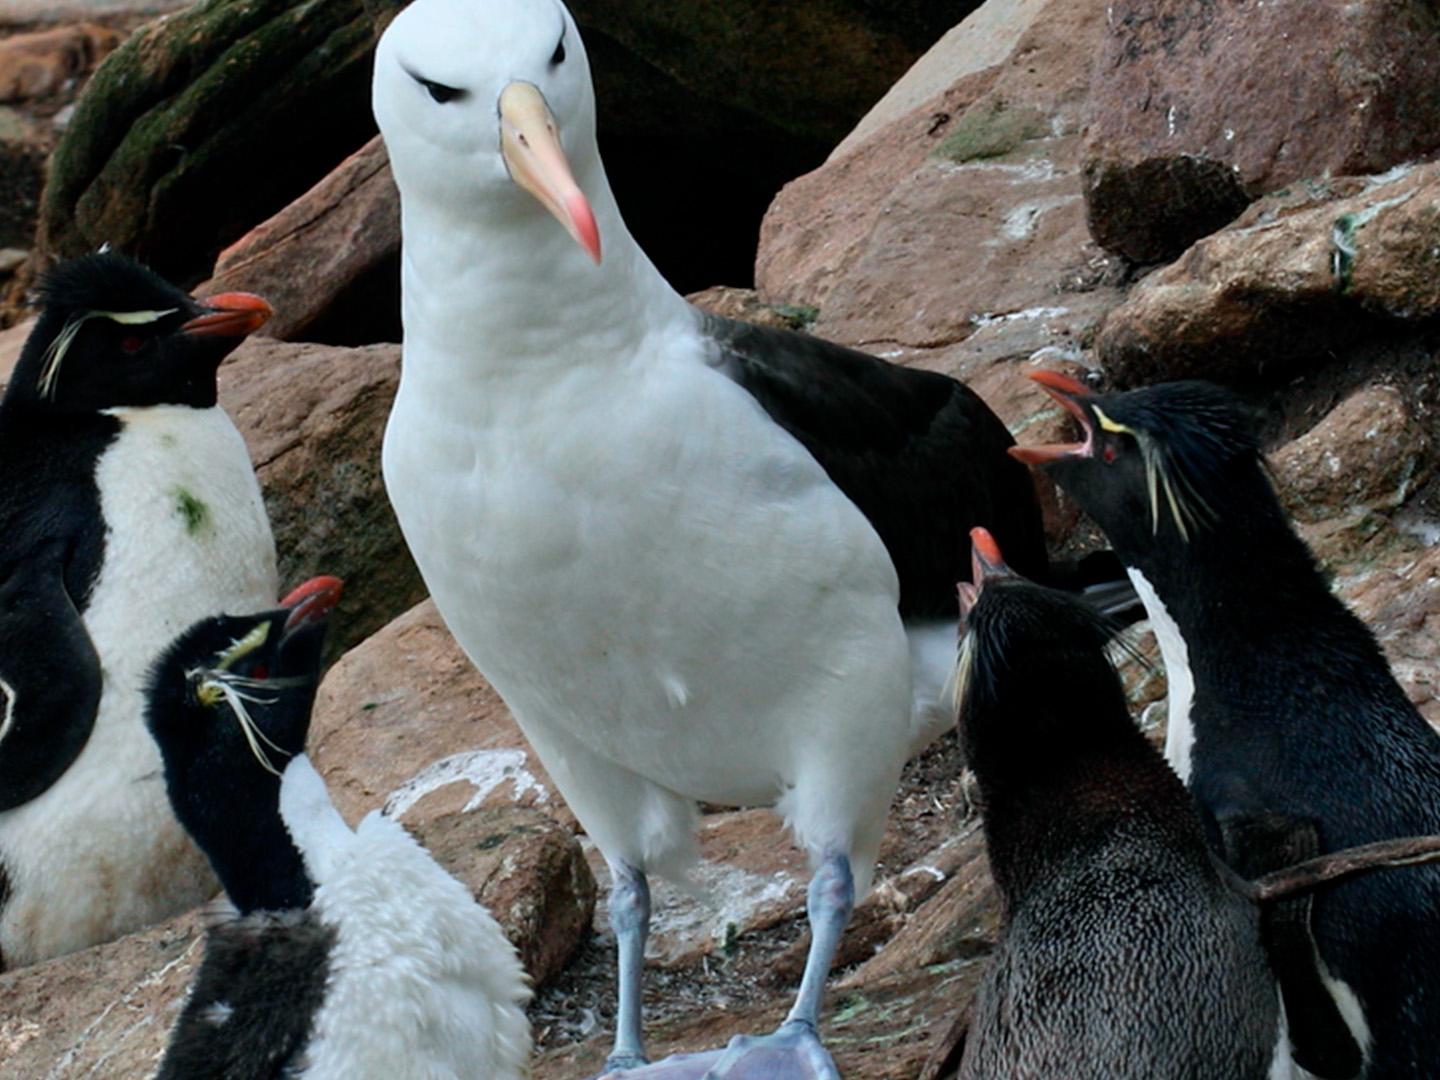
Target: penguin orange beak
{"x":233,"y":314}
{"x":530,"y":145}
{"x":1067,"y":392}
{"x":312,"y":601}
{"x":986,"y":564}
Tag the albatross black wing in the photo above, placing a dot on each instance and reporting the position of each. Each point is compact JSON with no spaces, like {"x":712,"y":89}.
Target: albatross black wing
{"x":918,"y":452}
{"x":49,"y":678}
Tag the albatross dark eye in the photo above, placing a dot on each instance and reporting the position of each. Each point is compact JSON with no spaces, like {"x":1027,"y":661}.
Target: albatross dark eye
{"x":559,"y":55}
{"x":439,"y":92}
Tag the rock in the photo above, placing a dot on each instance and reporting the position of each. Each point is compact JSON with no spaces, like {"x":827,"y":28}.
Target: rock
{"x":995,"y":157}
{"x":1297,"y":279}
{"x":1197,"y":107}
{"x":225,"y":113}
{"x":1399,"y":599}
{"x":750,"y":877}
{"x":958,"y":920}
{"x":42,"y":12}
{"x":104,"y":1011}
{"x":746,"y":305}
{"x":528,"y":870}
{"x":23,"y":149}
{"x":1367,"y":456}
{"x":107,"y":1011}
{"x":1153,"y":209}
{"x":205,"y":122}
{"x":12,"y":341}
{"x":40,"y":63}
{"x":983,"y":39}
{"x":313,"y":417}
{"x":329,"y":262}
{"x":404,"y":720}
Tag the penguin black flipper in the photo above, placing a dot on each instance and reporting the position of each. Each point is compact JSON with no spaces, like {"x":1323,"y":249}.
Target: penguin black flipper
{"x":254,"y":1002}
{"x":919,"y":453}
{"x":1320,"y":1040}
{"x":49,"y":678}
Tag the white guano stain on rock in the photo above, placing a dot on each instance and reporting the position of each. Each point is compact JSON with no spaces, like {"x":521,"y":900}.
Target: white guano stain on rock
{"x":716,"y":897}
{"x":485,"y":770}
{"x":985,"y":319}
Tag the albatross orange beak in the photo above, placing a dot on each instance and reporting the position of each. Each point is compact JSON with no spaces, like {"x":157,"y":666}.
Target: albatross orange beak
{"x":530,"y":145}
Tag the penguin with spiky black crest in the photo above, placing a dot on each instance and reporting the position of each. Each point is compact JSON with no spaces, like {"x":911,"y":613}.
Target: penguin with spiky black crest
{"x":1129,"y":949}
{"x":130,"y":509}
{"x":1280,"y":699}
{"x":351,"y":954}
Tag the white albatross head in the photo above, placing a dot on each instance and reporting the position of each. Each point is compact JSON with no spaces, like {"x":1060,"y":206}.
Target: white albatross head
{"x":479,"y":97}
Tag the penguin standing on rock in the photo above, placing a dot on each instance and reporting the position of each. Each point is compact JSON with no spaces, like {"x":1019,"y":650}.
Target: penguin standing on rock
{"x":352,"y":955}
{"x":1280,"y":699}
{"x":129,"y":510}
{"x":1129,"y":952}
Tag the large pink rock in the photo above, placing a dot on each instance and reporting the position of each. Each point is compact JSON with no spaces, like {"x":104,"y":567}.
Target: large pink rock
{"x":1196,"y":107}
{"x":335,"y":247}
{"x":1299,"y":278}
{"x":954,"y":235}
{"x":313,"y":417}
{"x":40,"y":63}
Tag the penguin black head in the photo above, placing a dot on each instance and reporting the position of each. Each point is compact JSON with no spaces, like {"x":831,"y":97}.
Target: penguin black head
{"x":229,"y":705}
{"x":1033,"y":681}
{"x":1157,"y":465}
{"x":112,"y":333}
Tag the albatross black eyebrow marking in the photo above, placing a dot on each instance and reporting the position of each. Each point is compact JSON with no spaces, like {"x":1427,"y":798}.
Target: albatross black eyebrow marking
{"x":558,"y":57}
{"x":439,"y":92}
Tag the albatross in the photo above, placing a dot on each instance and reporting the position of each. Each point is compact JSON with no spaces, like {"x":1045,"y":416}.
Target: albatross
{"x":699,"y":560}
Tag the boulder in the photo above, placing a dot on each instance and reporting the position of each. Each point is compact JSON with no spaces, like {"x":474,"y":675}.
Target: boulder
{"x":1297,"y":279}
{"x":23,"y":150}
{"x":1398,"y":597}
{"x":1198,"y":107}
{"x":313,"y":417}
{"x":218,"y":117}
{"x":205,"y":122}
{"x":405,"y":720}
{"x":1365,"y":458}
{"x":40,"y":63}
{"x":47,"y":12}
{"x":329,"y":263}
{"x":994,"y":156}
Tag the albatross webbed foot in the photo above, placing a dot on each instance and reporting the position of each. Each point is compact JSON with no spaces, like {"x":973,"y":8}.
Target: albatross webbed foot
{"x":792,"y":1052}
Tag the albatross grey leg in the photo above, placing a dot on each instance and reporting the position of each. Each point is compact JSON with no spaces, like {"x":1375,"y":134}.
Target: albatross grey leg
{"x":630,"y":919}
{"x":794,"y":1049}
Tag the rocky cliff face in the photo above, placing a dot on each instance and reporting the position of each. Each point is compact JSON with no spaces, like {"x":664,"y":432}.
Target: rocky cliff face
{"x":1126,"y":191}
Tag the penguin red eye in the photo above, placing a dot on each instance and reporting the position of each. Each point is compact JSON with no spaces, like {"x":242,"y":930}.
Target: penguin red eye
{"x":132,"y":343}
{"x":1108,"y":454}
{"x":260,"y":672}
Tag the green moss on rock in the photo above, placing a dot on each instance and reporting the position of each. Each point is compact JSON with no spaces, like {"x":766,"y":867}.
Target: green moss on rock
{"x":991,"y":129}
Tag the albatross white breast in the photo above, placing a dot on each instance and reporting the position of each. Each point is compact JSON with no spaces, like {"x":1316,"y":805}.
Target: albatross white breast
{"x":686,"y":552}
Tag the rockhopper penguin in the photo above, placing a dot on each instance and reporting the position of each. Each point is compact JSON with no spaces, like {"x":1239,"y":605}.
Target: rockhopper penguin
{"x":1280,"y":699}
{"x":699,"y":560}
{"x":351,"y":955}
{"x":129,"y":510}
{"x":1129,"y":951}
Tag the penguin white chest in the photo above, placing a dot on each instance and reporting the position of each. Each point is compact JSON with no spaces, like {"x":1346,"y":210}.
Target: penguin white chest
{"x":1180,"y":681}
{"x":186,"y":531}
{"x":186,"y":537}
